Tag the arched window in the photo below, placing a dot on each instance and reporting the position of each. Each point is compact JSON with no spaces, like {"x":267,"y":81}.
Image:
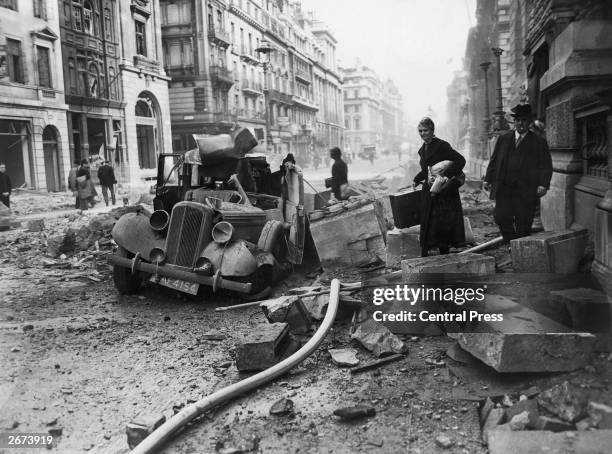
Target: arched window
{"x":144,"y":108}
{"x":147,"y":131}
{"x":88,"y":18}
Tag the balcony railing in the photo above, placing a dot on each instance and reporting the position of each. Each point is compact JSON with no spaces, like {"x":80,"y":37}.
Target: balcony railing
{"x":225,"y":117}
{"x":248,"y":55}
{"x":297,"y":99}
{"x":218,"y":36}
{"x":220,"y":75}
{"x":278,"y":96}
{"x":250,"y":87}
{"x":251,"y":114}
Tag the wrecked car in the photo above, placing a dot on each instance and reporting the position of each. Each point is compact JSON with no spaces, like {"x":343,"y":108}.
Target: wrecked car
{"x":222,"y":220}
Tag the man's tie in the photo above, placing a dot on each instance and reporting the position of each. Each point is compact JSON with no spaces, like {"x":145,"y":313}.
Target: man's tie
{"x":518,"y":141}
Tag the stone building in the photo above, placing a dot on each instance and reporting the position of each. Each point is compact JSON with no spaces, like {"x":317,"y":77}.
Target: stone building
{"x":373,"y":113}
{"x":556,"y":56}
{"x":220,"y":80}
{"x":33,"y":131}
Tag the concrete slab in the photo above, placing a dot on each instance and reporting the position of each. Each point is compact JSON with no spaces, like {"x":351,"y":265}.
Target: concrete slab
{"x":549,"y":252}
{"x":526,"y":341}
{"x":348,"y":238}
{"x":264,"y":346}
{"x":468,"y":263}
{"x":544,"y":442}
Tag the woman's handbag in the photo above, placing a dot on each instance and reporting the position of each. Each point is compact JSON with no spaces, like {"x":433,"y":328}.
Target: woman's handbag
{"x":329,"y":182}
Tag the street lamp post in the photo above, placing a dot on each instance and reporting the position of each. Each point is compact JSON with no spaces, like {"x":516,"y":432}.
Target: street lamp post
{"x":500,"y":123}
{"x":487,"y":121}
{"x":266,"y":49}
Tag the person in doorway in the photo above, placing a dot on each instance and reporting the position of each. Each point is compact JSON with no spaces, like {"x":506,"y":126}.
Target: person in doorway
{"x":441,"y":212}
{"x":5,"y":186}
{"x":339,"y":172}
{"x":518,"y":175}
{"x":72,"y":183}
{"x":106,"y":175}
{"x":85,"y":188}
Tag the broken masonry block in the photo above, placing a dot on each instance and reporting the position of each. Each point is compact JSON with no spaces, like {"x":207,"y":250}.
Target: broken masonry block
{"x":541,"y":441}
{"x":469,"y":233}
{"x":495,"y":417}
{"x":141,"y":427}
{"x":549,"y":252}
{"x":519,"y":421}
{"x":264,"y":346}
{"x":287,"y":309}
{"x":344,"y":356}
{"x":468,"y":263}
{"x":600,"y":414}
{"x":588,"y":309}
{"x":564,"y":401}
{"x":35,"y":225}
{"x":552,"y":424}
{"x":526,"y":341}
{"x":282,"y":407}
{"x":316,"y":305}
{"x":529,"y":406}
{"x":377,"y":338}
{"x":485,"y":410}
{"x":402,"y":244}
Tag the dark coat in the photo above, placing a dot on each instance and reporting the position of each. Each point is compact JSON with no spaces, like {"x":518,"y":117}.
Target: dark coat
{"x":106,"y":175}
{"x":5,"y":183}
{"x":339,"y":172}
{"x":441,"y":215}
{"x":535,"y":167}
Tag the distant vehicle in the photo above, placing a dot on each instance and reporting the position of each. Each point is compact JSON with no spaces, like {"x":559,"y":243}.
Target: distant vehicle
{"x":368,"y":152}
{"x":206,"y":230}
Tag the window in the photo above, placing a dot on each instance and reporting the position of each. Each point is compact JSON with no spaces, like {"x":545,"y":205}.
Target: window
{"x":108,"y":24}
{"x":44,"y":71}
{"x":357,"y":123}
{"x":94,"y":82}
{"x":14,"y":60}
{"x":112,"y":82}
{"x":141,"y":38}
{"x":72,"y":75}
{"x":78,"y":24}
{"x":39,"y":9}
{"x":10,"y":4}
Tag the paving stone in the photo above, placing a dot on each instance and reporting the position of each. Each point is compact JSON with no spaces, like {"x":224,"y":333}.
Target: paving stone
{"x":495,"y":417}
{"x":378,"y":339}
{"x":36,"y":225}
{"x":141,"y":427}
{"x":402,"y":244}
{"x":552,"y":424}
{"x":564,"y":401}
{"x":265,"y":345}
{"x":358,"y":411}
{"x":530,"y":406}
{"x":344,"y":356}
{"x":544,"y":442}
{"x":526,"y":341}
{"x":549,"y":252}
{"x":600,"y":414}
{"x":287,"y":309}
{"x":468,"y":263}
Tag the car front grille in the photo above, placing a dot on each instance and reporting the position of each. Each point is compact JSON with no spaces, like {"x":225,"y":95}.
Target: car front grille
{"x":188,"y":233}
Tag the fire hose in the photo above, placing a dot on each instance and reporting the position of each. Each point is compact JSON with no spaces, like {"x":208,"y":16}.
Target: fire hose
{"x":162,"y":434}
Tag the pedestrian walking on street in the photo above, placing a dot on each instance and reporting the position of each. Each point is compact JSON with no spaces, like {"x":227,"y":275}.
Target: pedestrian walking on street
{"x":518,"y":174}
{"x":339,"y":173}
{"x":106,"y":175}
{"x":72,"y":183}
{"x":5,"y":186}
{"x":85,"y":188}
{"x":441,"y":212}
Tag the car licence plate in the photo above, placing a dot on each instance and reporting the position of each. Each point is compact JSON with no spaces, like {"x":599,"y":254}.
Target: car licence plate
{"x":177,"y":284}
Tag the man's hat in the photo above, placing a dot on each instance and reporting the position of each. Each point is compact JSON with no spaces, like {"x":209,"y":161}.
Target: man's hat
{"x":522,"y":110}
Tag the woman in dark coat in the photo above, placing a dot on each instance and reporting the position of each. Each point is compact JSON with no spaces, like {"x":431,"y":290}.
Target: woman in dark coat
{"x":441,"y":213}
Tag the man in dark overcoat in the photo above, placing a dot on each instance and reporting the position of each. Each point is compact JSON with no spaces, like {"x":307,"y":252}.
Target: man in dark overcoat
{"x":106,"y":175}
{"x":518,"y":175}
{"x":5,"y":186}
{"x":441,"y":214}
{"x":339,"y":172}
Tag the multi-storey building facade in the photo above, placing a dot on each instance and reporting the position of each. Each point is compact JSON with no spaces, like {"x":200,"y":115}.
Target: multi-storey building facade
{"x":116,"y":90}
{"x":373,"y":113}
{"x":556,"y":56}
{"x":33,"y":131}
{"x":220,"y":80}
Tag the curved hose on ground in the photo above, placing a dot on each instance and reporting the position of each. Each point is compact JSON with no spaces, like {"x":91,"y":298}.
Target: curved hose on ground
{"x":166,"y":430}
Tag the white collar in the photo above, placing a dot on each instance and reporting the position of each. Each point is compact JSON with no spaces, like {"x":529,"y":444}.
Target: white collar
{"x":518,"y":135}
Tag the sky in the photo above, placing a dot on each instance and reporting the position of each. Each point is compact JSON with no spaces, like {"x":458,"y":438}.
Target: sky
{"x":419,"y":44}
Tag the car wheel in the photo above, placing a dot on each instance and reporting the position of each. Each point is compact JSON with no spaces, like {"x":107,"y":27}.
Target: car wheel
{"x":272,"y":239}
{"x":125,"y":281}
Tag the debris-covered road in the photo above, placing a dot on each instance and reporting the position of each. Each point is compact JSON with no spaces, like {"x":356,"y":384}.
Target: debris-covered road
{"x":81,"y":361}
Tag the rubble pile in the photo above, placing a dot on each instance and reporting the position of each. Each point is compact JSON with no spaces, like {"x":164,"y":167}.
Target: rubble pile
{"x":562,"y":408}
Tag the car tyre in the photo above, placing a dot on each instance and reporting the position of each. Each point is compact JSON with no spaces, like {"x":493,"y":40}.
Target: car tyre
{"x":125,"y":281}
